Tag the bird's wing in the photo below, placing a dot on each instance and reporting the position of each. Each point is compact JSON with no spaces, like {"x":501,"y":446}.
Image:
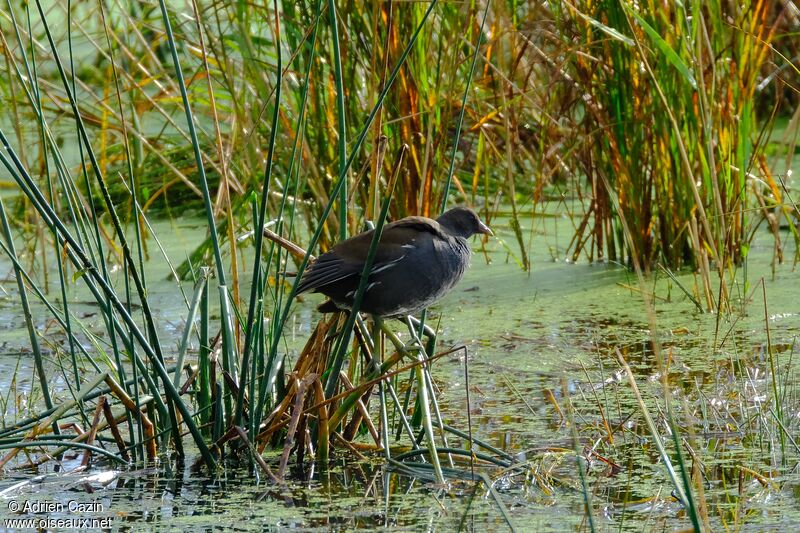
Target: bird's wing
{"x":348,"y":257}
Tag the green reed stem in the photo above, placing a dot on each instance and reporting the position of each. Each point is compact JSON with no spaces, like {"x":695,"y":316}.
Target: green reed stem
{"x":26,"y":311}
{"x":93,"y":279}
{"x":256,"y":290}
{"x":341,"y":124}
{"x":347,"y":330}
{"x":340,"y":183}
{"x":460,"y":121}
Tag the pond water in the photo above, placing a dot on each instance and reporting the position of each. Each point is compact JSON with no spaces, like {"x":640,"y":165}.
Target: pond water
{"x":530,"y":338}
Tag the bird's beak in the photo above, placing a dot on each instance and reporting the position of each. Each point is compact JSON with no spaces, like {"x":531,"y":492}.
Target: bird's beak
{"x":483,"y":228}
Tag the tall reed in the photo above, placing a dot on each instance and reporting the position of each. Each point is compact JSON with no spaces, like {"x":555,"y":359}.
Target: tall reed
{"x":237,"y":397}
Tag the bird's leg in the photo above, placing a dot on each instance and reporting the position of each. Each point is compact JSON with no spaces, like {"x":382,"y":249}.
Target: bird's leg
{"x":427,"y":378}
{"x":427,"y":332}
{"x":425,"y":395}
{"x":413,"y":332}
{"x":415,"y":344}
{"x":377,"y":342}
{"x":375,"y":356}
{"x":367,"y":341}
{"x":403,"y":349}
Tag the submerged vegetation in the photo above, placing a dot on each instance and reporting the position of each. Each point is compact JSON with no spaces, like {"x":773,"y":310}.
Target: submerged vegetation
{"x":650,"y":125}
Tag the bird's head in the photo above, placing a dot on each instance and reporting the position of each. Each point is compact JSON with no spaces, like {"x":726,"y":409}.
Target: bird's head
{"x":462,"y":222}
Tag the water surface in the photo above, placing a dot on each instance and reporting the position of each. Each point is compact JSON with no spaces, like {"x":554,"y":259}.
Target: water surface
{"x":530,"y":337}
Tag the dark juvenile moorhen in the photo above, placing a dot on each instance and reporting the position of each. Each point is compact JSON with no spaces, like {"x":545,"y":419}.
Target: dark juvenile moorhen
{"x":418,"y":261}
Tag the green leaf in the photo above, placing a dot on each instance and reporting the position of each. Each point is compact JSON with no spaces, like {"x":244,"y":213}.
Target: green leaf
{"x":665,"y":48}
{"x":79,"y":274}
{"x":608,"y":30}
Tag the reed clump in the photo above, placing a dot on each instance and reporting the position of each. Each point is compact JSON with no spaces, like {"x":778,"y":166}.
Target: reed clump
{"x":237,"y":396}
{"x":669,"y":137}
